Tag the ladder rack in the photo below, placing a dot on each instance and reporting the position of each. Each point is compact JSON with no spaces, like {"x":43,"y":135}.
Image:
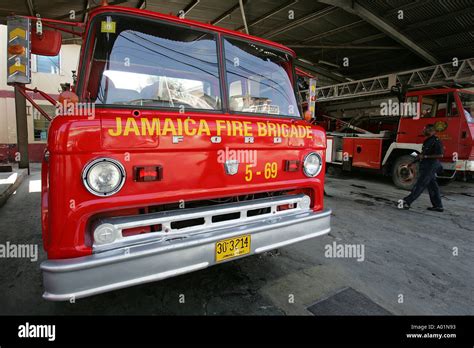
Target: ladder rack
{"x":447,"y":74}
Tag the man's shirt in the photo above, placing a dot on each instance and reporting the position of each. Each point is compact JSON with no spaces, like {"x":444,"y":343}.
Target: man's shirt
{"x":431,"y":146}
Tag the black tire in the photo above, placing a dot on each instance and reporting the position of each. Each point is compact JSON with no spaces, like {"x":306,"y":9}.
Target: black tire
{"x":334,"y":170}
{"x":402,"y":176}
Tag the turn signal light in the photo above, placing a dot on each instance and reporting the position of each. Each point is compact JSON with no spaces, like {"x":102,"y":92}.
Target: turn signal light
{"x":292,"y":166}
{"x":16,"y":49}
{"x":148,"y":173}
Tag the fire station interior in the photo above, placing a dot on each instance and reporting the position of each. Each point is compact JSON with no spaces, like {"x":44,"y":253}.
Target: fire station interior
{"x":371,"y":74}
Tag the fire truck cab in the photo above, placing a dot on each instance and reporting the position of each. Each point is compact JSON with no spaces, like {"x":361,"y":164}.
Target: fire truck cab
{"x":192,"y":151}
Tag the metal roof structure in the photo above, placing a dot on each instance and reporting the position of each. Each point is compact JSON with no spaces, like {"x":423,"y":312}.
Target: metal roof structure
{"x":373,"y":37}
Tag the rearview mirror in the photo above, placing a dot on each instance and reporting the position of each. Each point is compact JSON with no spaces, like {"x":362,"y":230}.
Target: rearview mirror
{"x":46,"y":44}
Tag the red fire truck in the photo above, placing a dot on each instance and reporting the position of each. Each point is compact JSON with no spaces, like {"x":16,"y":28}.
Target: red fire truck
{"x":195,"y":152}
{"x":376,"y":124}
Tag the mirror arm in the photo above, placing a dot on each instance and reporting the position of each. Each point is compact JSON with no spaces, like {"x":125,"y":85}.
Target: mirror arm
{"x":62,"y":29}
{"x":23,"y":90}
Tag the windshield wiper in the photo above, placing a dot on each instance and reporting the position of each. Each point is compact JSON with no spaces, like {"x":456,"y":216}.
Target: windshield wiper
{"x":142,"y":101}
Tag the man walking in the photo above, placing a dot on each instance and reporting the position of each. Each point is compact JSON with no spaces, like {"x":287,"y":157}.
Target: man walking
{"x":431,"y":152}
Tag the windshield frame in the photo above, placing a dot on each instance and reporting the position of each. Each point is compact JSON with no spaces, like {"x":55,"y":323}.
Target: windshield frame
{"x":87,"y":54}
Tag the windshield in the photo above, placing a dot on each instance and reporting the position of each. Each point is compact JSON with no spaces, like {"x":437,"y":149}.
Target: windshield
{"x":153,"y":63}
{"x":258,"y":79}
{"x":467,"y":101}
{"x":148,"y":63}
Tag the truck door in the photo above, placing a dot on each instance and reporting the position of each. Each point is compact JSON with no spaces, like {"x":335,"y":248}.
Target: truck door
{"x":440,"y":110}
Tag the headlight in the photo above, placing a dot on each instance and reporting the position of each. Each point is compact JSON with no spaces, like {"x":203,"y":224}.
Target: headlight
{"x":312,"y":164}
{"x":103,"y":177}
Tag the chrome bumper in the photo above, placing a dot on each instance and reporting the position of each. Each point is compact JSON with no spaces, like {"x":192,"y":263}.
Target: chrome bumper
{"x":164,"y":258}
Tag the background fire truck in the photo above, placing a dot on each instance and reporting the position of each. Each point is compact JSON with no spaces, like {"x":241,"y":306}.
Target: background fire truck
{"x":376,"y":123}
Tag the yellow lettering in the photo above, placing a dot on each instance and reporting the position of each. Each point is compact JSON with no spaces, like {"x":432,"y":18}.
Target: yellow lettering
{"x":236,"y":126}
{"x":131,"y":126}
{"x":271,"y":129}
{"x":262,"y":129}
{"x":294,"y":131}
{"x":301,"y":132}
{"x":219,"y":126}
{"x":247,"y":129}
{"x":229,"y":127}
{"x":168,"y":127}
{"x":278,"y":126}
{"x":284,"y":130}
{"x":150,"y":129}
{"x":187,"y":131}
{"x":203,"y":128}
{"x":309,"y":132}
{"x":180,"y":126}
{"x":118,"y":125}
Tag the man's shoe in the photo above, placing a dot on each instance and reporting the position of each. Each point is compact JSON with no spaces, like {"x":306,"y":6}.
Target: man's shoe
{"x":405,"y":205}
{"x":438,"y":209}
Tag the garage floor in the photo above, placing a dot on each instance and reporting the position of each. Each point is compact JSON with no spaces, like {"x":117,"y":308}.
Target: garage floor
{"x":408,"y":267}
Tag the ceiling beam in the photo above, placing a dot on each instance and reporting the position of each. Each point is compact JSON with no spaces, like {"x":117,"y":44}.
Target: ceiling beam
{"x":188,"y":8}
{"x":31,"y":7}
{"x":116,"y":2}
{"x":269,"y":14}
{"x":352,"y":6}
{"x":85,"y":8}
{"x":333,"y":31}
{"x":438,"y":19}
{"x":244,"y":19}
{"x":409,"y":6}
{"x":368,"y":38}
{"x":321,"y":71}
{"x":227,"y":13}
{"x":297,"y":22}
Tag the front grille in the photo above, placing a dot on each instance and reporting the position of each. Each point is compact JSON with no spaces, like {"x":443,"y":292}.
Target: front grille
{"x":180,"y":223}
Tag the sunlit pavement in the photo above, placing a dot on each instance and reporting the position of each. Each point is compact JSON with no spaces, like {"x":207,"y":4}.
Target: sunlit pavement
{"x":414,"y":262}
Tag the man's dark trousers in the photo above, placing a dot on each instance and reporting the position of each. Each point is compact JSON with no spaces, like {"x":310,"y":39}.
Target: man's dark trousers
{"x":427,"y":179}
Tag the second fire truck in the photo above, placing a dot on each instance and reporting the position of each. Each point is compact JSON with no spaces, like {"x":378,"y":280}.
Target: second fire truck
{"x":376,"y":124}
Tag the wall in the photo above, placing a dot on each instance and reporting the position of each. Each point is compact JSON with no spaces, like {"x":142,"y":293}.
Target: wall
{"x":49,"y":83}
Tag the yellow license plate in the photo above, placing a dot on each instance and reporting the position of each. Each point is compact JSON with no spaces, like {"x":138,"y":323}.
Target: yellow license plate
{"x":233,"y":247}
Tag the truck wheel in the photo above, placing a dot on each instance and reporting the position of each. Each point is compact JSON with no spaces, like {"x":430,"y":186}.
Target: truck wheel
{"x":333,"y":170}
{"x":402,"y":176}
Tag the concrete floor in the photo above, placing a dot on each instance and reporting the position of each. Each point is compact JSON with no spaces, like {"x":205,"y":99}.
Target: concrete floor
{"x":408,"y":253}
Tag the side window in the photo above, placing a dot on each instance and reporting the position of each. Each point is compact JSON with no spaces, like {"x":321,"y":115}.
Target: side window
{"x":435,"y":106}
{"x":452,"y":109}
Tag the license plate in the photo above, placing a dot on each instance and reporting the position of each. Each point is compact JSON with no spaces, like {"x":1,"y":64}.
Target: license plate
{"x":233,"y":247}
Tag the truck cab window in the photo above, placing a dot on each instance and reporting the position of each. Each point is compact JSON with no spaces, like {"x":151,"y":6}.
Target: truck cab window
{"x":438,"y":105}
{"x":467,"y":101}
{"x":147,"y":63}
{"x":259,"y":80}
